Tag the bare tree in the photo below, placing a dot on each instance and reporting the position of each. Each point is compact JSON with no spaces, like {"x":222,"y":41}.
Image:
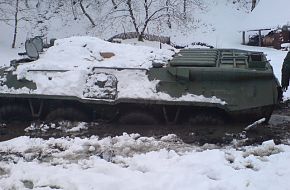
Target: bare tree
{"x":168,"y":14}
{"x":142,"y":15}
{"x":26,"y":4}
{"x":106,"y":17}
{"x":73,"y":9}
{"x":114,"y":4}
{"x":86,"y":13}
{"x":15,"y":23}
{"x":247,"y":5}
{"x":142,"y":12}
{"x":254,"y":2}
{"x":184,"y":7}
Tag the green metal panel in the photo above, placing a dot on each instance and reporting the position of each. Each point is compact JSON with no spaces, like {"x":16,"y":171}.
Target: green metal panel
{"x":219,"y":58}
{"x":180,"y":73}
{"x":243,"y":81}
{"x":11,"y":81}
{"x":197,"y":57}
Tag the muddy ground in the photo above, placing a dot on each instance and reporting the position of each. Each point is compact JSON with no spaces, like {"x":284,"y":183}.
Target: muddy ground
{"x":278,"y":129}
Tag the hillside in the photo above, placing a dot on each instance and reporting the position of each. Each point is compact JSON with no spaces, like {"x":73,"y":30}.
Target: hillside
{"x":202,"y":22}
{"x":268,"y":15}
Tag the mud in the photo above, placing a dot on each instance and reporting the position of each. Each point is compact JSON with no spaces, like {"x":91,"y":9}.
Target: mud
{"x":278,"y":130}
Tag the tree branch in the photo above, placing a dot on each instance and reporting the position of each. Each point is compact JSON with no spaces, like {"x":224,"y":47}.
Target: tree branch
{"x":130,"y":9}
{"x":86,"y":14}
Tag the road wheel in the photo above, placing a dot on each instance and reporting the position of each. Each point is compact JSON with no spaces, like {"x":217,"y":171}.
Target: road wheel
{"x":15,"y":113}
{"x":137,"y":118}
{"x":70,"y":114}
{"x":206,"y":118}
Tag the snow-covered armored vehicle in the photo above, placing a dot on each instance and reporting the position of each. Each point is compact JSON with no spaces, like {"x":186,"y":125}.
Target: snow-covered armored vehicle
{"x":84,"y":78}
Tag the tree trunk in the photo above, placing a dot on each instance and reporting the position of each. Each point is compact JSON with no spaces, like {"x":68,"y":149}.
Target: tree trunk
{"x":114,"y":4}
{"x":130,"y":9}
{"x":254,"y":3}
{"x":73,"y":9}
{"x":141,"y":37}
{"x":168,"y":15}
{"x":184,"y":9}
{"x":146,"y":7}
{"x":15,"y":23}
{"x":26,"y":4}
{"x":86,"y":14}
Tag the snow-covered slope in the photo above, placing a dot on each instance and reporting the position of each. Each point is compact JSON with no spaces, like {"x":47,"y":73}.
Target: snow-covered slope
{"x":219,"y":25}
{"x":208,"y":22}
{"x":268,"y":14}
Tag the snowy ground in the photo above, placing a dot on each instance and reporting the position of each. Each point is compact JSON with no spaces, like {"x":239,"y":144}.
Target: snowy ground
{"x":134,"y":162}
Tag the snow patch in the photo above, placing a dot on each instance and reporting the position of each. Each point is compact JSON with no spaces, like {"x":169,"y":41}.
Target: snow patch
{"x":133,"y":162}
{"x":64,"y":126}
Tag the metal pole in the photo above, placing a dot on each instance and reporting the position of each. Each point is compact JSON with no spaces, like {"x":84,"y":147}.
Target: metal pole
{"x":244,"y":38}
{"x":260,"y":38}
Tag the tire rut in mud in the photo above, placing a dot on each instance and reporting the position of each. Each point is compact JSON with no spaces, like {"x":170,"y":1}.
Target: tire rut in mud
{"x":278,"y":130}
{"x":198,"y":135}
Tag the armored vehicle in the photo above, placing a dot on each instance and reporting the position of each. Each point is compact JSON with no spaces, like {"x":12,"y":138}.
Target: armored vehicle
{"x":196,"y":85}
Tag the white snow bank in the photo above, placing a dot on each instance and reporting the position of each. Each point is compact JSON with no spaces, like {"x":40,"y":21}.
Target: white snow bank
{"x":134,"y":162}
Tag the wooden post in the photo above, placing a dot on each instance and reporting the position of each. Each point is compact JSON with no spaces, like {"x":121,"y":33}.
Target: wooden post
{"x":244,"y":38}
{"x":260,"y":38}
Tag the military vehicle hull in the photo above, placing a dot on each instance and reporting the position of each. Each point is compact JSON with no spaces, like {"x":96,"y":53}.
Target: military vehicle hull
{"x":198,"y":85}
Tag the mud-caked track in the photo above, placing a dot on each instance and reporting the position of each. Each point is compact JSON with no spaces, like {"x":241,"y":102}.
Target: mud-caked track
{"x":278,"y":129}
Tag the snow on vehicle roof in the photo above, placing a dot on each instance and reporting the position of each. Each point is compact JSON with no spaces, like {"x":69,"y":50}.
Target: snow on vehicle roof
{"x":81,"y":52}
